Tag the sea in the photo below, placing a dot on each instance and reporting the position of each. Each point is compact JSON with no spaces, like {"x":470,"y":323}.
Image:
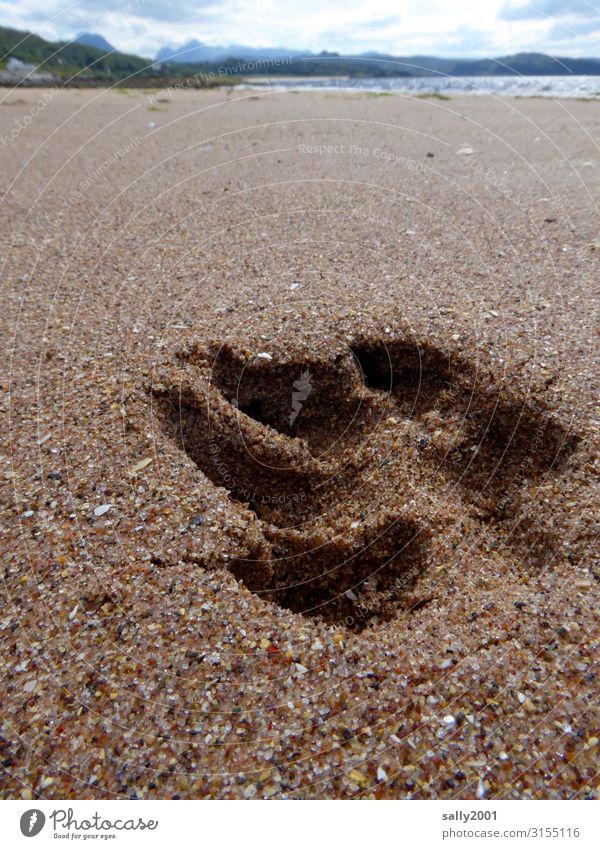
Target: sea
{"x":554,"y":86}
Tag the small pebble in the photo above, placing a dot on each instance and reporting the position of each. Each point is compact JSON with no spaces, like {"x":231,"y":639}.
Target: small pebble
{"x":141,"y":465}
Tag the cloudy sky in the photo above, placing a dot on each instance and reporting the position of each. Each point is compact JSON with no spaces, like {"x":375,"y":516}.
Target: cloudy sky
{"x":441,"y":27}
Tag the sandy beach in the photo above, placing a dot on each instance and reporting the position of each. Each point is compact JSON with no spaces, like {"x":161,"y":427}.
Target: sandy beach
{"x":299,"y":463}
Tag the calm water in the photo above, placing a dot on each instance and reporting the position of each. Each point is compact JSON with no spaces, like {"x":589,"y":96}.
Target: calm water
{"x":571,"y":86}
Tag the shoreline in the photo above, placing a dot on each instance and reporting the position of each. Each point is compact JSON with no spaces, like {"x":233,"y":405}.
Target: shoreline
{"x":416,"y":86}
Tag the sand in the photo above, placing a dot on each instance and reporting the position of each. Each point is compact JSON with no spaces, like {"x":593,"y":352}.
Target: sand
{"x":299,"y":463}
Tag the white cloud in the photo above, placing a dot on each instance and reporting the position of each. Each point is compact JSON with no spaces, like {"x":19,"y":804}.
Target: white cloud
{"x":548,"y":9}
{"x":400,"y":27}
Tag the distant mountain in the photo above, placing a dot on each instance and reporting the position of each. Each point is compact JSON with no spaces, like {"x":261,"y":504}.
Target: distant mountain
{"x":374,"y":64}
{"x":525,"y":64}
{"x":93,"y":39}
{"x":197,"y":52}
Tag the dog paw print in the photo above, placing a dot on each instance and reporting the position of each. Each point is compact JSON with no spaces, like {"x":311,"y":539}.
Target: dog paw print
{"x":356,"y":464}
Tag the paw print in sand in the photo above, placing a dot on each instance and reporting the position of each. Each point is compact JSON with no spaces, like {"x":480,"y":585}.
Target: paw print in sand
{"x":361,"y":466}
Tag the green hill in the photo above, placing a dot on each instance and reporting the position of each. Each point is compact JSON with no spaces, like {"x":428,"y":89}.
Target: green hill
{"x":65,"y":59}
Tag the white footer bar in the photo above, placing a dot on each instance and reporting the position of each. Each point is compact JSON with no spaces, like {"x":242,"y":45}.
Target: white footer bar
{"x":301,"y":825}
